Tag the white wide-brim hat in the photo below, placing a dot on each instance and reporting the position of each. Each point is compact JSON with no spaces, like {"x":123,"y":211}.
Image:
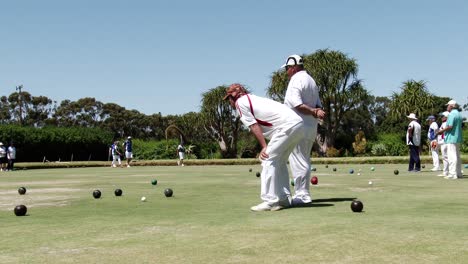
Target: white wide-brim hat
{"x":412,"y":116}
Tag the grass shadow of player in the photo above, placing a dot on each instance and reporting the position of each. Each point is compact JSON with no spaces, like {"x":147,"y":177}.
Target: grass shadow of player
{"x":331,"y":200}
{"x":312,"y":205}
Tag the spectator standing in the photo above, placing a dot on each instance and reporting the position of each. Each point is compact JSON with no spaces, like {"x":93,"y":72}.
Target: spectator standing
{"x":453,"y":139}
{"x":268,"y":119}
{"x":181,"y":154}
{"x":11,"y":156}
{"x":128,"y":145}
{"x":413,"y":140}
{"x":432,"y":137}
{"x":3,"y":157}
{"x":442,"y":146}
{"x":114,"y":151}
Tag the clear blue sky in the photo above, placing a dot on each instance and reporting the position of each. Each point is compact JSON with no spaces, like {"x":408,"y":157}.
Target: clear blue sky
{"x":160,"y":56}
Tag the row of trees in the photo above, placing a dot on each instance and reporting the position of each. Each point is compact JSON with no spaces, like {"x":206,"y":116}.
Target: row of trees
{"x":349,"y":106}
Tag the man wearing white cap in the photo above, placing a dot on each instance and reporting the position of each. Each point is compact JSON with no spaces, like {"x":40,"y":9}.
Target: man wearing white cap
{"x":302,"y":96}
{"x":268,"y":119}
{"x":413,"y":140}
{"x":453,"y":139}
{"x":442,"y":146}
{"x":128,"y":145}
{"x":432,"y":137}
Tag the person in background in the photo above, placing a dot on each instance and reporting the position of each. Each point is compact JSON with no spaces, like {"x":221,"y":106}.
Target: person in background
{"x":114,"y":151}
{"x":442,"y":146}
{"x":128,"y":145}
{"x":413,"y":140}
{"x":453,"y":139}
{"x":11,"y":156}
{"x":432,"y":137}
{"x":3,"y":157}
{"x":181,"y":154}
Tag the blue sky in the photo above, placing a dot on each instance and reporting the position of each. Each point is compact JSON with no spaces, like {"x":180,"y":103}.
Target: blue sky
{"x":160,"y":56}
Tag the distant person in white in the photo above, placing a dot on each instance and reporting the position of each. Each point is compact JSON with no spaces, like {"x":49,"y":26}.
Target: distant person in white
{"x":302,"y":96}
{"x":442,"y":146}
{"x":268,"y":119}
{"x":181,"y":153}
{"x":413,"y":140}
{"x":432,"y":137}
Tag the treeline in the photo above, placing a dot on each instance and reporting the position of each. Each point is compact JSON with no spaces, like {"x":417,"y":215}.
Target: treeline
{"x":357,"y":123}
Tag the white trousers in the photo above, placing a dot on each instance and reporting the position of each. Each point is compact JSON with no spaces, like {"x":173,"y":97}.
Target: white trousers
{"x":435,"y":157}
{"x":299,"y":161}
{"x":275,"y":175}
{"x":443,"y":152}
{"x":116,"y":158}
{"x":454,"y":160}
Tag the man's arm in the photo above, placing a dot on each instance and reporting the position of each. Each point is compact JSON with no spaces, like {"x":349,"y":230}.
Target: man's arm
{"x":307,"y":110}
{"x":257,"y":132}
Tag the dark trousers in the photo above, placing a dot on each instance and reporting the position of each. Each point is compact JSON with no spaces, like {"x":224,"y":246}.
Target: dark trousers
{"x":11,"y":163}
{"x":414,"y":161}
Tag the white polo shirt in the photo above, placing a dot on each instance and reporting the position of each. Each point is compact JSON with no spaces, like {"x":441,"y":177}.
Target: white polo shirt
{"x":416,"y":133}
{"x":269,"y":114}
{"x":302,"y":89}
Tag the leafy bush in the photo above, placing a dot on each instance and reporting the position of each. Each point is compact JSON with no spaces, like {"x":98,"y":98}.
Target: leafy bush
{"x":394,"y":145}
{"x":379,"y":149}
{"x":333,"y":152}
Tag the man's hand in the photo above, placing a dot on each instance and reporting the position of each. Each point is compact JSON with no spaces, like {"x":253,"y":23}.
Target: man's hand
{"x":263,"y":155}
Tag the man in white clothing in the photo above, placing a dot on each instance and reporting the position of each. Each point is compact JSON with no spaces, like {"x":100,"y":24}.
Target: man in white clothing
{"x":442,"y":146}
{"x":302,"y":96}
{"x":432,"y":137}
{"x":268,"y":119}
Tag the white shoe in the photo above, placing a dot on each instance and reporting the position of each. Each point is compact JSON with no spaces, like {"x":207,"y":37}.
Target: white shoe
{"x":281,"y":205}
{"x":114,"y":166}
{"x":450,"y":177}
{"x":261,"y":207}
{"x":434,"y":169}
{"x":298,"y":202}
{"x":183,"y":165}
{"x":128,"y":166}
{"x":178,"y":163}
{"x":442,"y":175}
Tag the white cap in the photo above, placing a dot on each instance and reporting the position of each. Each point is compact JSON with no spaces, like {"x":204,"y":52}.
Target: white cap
{"x":129,"y":137}
{"x":452,"y":102}
{"x":446,"y":113}
{"x":412,"y":116}
{"x":293,"y":60}
{"x":1,"y":144}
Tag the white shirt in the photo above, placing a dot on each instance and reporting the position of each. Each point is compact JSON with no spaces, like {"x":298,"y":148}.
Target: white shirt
{"x":11,"y":153}
{"x":433,"y":129}
{"x":302,"y":89}
{"x":416,"y":133}
{"x":440,"y":138}
{"x":269,"y":114}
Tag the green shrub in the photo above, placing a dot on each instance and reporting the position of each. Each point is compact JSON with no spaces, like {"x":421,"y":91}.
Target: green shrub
{"x":379,"y":149}
{"x":394,"y":145}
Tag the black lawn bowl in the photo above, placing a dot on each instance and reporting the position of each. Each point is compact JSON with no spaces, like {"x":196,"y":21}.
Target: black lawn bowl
{"x":154,"y":182}
{"x":396,"y":172}
{"x":22,"y":190}
{"x":314,"y":169}
{"x":97,"y":194}
{"x":250,"y":170}
{"x":423,"y":166}
{"x":357,"y":206}
{"x":334,"y":169}
{"x":326,"y":166}
{"x":20,"y":210}
{"x":168,"y":192}
{"x":258,"y":174}
{"x":118,"y":192}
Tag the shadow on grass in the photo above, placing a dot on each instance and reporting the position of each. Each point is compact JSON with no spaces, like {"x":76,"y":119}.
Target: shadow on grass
{"x":330,"y":200}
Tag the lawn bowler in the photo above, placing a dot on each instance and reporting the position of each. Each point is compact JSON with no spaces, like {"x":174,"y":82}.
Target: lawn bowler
{"x":432,"y":138}
{"x":413,"y":140}
{"x":268,"y":119}
{"x":128,"y":146}
{"x":302,"y":96}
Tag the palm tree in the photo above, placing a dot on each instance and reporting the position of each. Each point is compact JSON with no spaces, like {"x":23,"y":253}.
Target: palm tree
{"x":220,"y":121}
{"x":414,"y":98}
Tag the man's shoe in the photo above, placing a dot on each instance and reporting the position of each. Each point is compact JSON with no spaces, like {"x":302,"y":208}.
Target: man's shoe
{"x":435,"y":169}
{"x":281,"y":205}
{"x":442,"y":175}
{"x":261,"y":207}
{"x":298,"y":202}
{"x":450,"y":177}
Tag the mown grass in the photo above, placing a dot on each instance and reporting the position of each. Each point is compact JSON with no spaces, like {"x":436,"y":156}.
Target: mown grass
{"x":407,"y":218}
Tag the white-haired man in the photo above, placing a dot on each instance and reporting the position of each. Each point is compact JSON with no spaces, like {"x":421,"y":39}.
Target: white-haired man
{"x":284,"y":128}
{"x":453,"y":139}
{"x":302,"y":95}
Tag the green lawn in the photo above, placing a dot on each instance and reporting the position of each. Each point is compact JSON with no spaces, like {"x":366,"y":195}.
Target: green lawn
{"x":408,"y":218}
